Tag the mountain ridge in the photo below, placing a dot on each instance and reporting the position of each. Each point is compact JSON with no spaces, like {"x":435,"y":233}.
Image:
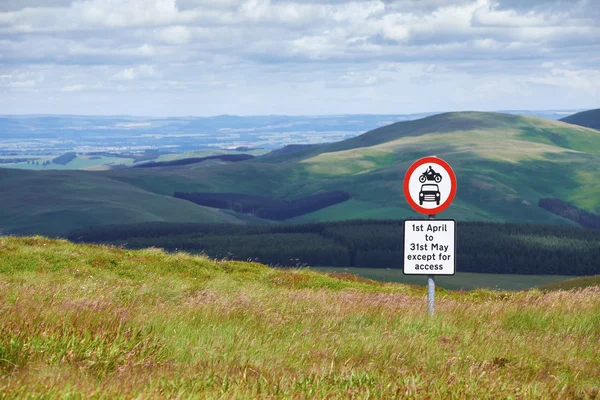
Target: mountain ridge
{"x":439,"y":123}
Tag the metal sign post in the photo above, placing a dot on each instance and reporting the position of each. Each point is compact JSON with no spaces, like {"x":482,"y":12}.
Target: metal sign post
{"x":431,"y":293}
{"x":431,"y":287}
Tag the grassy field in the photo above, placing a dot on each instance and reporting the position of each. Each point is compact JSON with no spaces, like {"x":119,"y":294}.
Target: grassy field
{"x":459,"y":281}
{"x":96,"y":322}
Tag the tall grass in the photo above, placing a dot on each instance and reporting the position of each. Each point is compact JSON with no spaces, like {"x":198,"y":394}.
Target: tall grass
{"x":89,"y":321}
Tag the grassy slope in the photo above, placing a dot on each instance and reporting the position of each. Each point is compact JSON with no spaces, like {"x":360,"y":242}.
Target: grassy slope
{"x":573,"y":283}
{"x":55,"y":202}
{"x":90,"y":321}
{"x":589,"y":118}
{"x":504,"y":164}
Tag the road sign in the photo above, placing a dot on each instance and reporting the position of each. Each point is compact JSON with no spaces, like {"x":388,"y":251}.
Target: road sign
{"x":429,"y":185}
{"x":429,"y":247}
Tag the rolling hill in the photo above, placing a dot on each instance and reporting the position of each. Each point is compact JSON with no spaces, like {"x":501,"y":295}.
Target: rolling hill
{"x":505,"y":164}
{"x":589,"y":119}
{"x":55,"y":202}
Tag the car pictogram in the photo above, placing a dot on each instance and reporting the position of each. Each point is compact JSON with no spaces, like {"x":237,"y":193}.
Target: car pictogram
{"x":429,"y":192}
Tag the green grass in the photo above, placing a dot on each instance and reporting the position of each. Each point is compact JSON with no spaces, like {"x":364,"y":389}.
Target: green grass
{"x":573,"y":283}
{"x":96,"y":322}
{"x":459,"y":281}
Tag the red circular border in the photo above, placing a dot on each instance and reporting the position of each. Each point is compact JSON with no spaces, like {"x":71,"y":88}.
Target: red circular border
{"x":410,"y":171}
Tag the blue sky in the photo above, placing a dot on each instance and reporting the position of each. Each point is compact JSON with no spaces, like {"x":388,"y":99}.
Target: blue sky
{"x":245,"y":57}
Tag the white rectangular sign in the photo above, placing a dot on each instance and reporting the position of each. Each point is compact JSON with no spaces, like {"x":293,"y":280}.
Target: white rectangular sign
{"x":429,"y":247}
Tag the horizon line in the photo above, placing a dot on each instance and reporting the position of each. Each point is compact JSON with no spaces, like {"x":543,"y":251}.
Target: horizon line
{"x":289,"y":115}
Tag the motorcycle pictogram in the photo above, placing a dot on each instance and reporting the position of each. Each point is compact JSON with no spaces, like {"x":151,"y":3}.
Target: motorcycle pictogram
{"x":430,"y":175}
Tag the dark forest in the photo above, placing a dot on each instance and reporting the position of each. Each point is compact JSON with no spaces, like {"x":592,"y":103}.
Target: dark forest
{"x":481,"y":247}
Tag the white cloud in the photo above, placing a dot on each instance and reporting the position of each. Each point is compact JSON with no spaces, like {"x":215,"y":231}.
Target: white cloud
{"x":486,"y":44}
{"x":587,"y":80}
{"x":72,"y":88}
{"x":255,"y":9}
{"x":359,"y":78}
{"x":357,"y":11}
{"x":490,"y":17}
{"x":118,"y":13}
{"x":139,"y":72}
{"x":22,"y":84}
{"x":391,"y":27}
{"x":174,"y":34}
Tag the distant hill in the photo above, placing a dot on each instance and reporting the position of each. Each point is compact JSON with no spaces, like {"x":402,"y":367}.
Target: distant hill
{"x":54,"y":202}
{"x":283,"y":153}
{"x":527,"y":128}
{"x":589,"y":119}
{"x":504,"y":163}
{"x":195,"y":160}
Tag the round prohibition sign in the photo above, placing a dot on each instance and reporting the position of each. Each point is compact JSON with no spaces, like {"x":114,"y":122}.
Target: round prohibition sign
{"x":429,"y":185}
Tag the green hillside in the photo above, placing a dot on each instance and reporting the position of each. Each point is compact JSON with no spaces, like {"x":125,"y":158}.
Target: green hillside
{"x":84,"y":321}
{"x":589,"y":119}
{"x":55,"y":202}
{"x":504,"y":164}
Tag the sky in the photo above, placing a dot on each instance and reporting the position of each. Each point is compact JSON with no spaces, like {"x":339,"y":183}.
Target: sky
{"x":311,"y":57}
